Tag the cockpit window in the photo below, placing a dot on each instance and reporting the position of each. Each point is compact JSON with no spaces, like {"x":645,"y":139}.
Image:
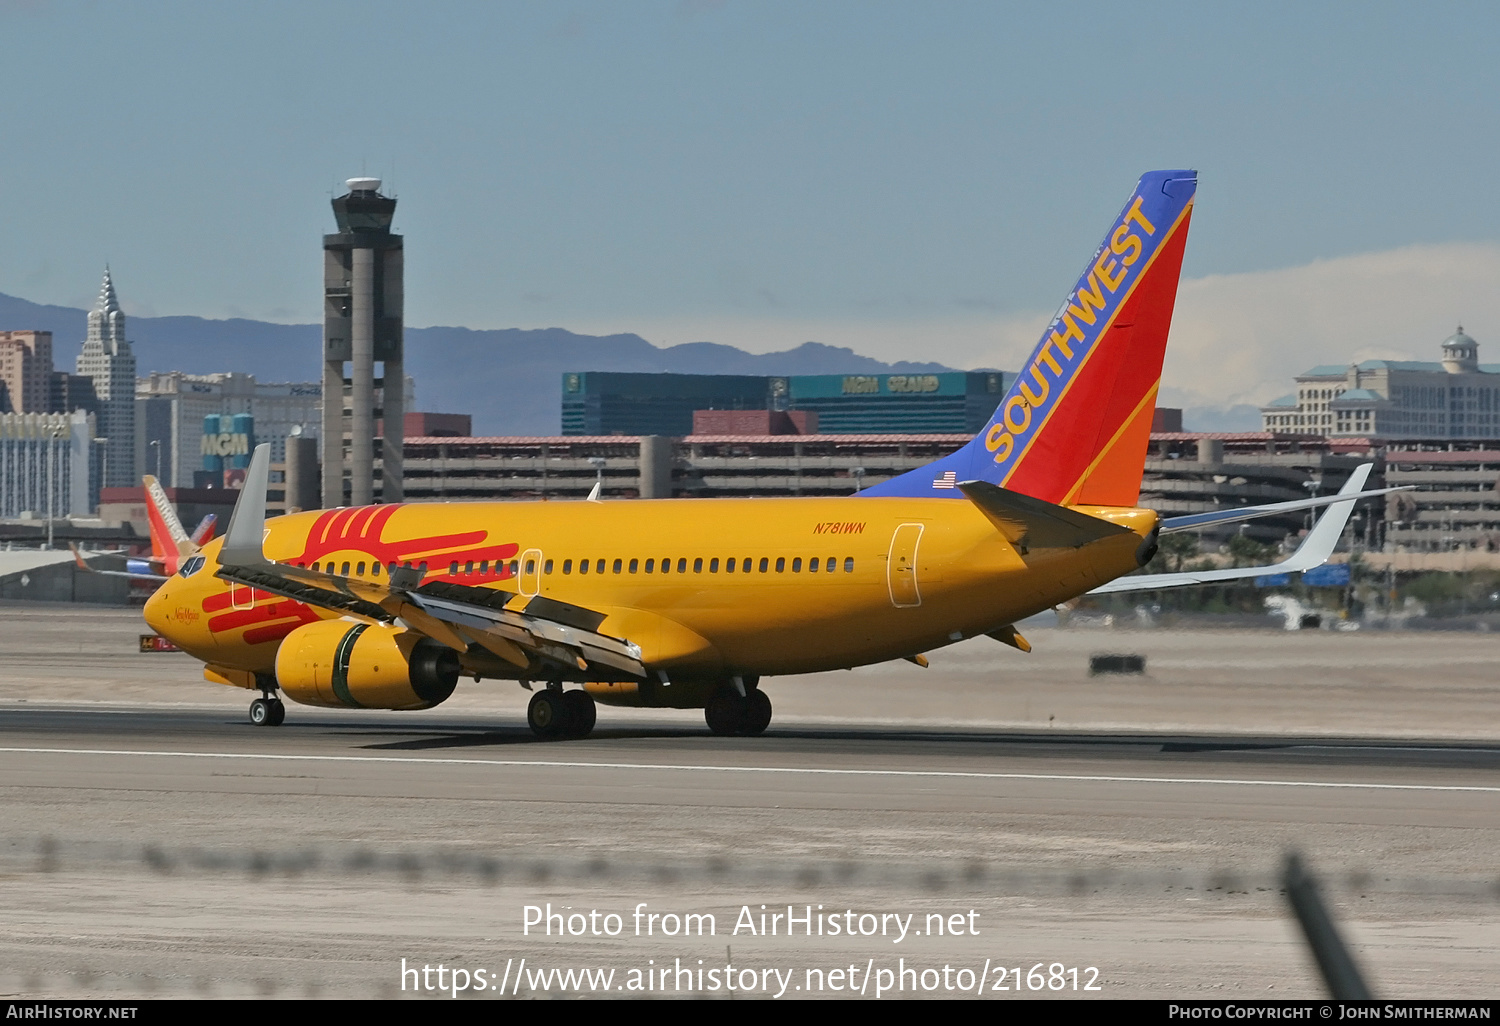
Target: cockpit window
{"x":192,"y":566}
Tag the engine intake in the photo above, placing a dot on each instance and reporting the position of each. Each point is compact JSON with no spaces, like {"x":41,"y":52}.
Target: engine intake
{"x":337,"y":664}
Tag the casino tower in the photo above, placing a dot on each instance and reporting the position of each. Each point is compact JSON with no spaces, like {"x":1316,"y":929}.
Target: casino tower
{"x":107,"y":360}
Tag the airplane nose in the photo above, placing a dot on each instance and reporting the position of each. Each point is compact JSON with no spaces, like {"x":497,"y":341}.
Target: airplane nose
{"x":157,"y":607}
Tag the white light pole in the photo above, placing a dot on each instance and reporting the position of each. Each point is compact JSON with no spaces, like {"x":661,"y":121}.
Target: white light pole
{"x":156,"y":445}
{"x":51,"y":481}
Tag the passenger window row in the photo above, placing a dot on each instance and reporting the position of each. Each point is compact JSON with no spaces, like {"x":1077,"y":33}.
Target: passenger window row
{"x":733,"y":564}
{"x":343,"y":570}
{"x":482,"y":568}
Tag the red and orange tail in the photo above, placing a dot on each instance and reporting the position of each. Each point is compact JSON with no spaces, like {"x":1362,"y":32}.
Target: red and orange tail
{"x":1074,"y":428}
{"x":169,"y":542}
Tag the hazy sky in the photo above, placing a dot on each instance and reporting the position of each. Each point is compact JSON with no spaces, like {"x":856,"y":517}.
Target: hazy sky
{"x":916,"y":180}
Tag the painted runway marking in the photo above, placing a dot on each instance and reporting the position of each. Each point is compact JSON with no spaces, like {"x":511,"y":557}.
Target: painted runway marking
{"x":811,"y":771}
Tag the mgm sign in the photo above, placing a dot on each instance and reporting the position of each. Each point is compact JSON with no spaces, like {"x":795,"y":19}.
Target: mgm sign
{"x":896,"y":384}
{"x":226,"y":444}
{"x":227,"y":441}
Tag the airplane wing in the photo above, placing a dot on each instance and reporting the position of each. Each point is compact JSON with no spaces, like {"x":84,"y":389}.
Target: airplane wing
{"x":1193,"y":521}
{"x":529,"y":632}
{"x":1314,"y":550}
{"x":133,"y":574}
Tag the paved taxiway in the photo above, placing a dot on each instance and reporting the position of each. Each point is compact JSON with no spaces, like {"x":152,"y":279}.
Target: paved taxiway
{"x":106,"y":753}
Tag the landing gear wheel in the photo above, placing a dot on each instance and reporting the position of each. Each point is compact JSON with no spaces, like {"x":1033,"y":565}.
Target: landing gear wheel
{"x":547,"y":714}
{"x":581,"y":712}
{"x":725,"y":712}
{"x":278,"y":713}
{"x":260,"y":713}
{"x":757,"y":713}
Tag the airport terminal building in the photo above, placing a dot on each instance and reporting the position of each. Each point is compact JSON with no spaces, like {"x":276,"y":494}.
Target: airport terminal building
{"x":1185,"y":472}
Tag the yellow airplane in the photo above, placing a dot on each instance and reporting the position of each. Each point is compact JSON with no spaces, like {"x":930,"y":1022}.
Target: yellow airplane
{"x":686,"y":603}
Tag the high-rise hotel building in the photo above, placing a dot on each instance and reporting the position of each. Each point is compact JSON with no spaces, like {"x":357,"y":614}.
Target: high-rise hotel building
{"x":108,"y":362}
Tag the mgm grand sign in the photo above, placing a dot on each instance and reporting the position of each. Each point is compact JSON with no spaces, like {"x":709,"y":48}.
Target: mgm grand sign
{"x":227,"y":441}
{"x":858,"y":384}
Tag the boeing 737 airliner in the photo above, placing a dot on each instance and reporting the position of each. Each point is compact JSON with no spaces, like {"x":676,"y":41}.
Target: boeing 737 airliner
{"x":690,"y":603}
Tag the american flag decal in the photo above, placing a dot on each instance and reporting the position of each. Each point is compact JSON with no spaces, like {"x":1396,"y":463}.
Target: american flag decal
{"x":948,"y":480}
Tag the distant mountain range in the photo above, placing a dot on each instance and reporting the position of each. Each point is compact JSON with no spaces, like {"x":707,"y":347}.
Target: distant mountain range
{"x":509,"y":379}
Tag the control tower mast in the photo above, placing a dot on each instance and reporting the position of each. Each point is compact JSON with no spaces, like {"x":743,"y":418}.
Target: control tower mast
{"x":362,"y":324}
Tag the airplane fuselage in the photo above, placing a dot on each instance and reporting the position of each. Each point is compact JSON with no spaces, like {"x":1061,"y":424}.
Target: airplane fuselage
{"x":706,"y":588}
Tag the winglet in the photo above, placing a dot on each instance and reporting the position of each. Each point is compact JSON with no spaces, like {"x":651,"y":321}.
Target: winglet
{"x":247,"y":524}
{"x":1318,"y":545}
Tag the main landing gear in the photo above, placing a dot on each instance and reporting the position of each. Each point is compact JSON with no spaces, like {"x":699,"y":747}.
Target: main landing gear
{"x":555,"y":713}
{"x":730,"y":713}
{"x":267,"y":712}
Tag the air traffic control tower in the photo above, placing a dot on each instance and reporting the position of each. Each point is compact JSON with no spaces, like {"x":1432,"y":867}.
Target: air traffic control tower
{"x":362,"y":297}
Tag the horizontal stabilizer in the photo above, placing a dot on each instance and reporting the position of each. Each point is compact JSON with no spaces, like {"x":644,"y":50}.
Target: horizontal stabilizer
{"x":1029,"y":523}
{"x":133,"y":574}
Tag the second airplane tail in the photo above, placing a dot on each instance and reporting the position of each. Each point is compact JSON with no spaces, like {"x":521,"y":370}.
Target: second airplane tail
{"x":169,"y":542}
{"x":1075,"y":425}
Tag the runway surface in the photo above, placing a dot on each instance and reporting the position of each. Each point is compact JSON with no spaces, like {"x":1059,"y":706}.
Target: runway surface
{"x":156,"y":843}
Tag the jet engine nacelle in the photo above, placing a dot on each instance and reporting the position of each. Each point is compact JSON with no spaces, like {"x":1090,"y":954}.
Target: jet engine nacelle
{"x":364,"y":666}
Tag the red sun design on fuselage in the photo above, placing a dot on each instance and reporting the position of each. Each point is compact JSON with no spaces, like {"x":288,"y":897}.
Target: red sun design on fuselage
{"x":276,"y":618}
{"x":361,"y":529}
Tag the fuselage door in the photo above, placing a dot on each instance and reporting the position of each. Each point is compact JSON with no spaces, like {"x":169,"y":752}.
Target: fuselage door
{"x":901,"y":566}
{"x":530,"y":577}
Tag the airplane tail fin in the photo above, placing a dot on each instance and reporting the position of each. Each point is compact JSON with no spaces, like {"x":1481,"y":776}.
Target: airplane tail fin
{"x":169,"y":542}
{"x":205,"y":530}
{"x":1074,"y":427}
